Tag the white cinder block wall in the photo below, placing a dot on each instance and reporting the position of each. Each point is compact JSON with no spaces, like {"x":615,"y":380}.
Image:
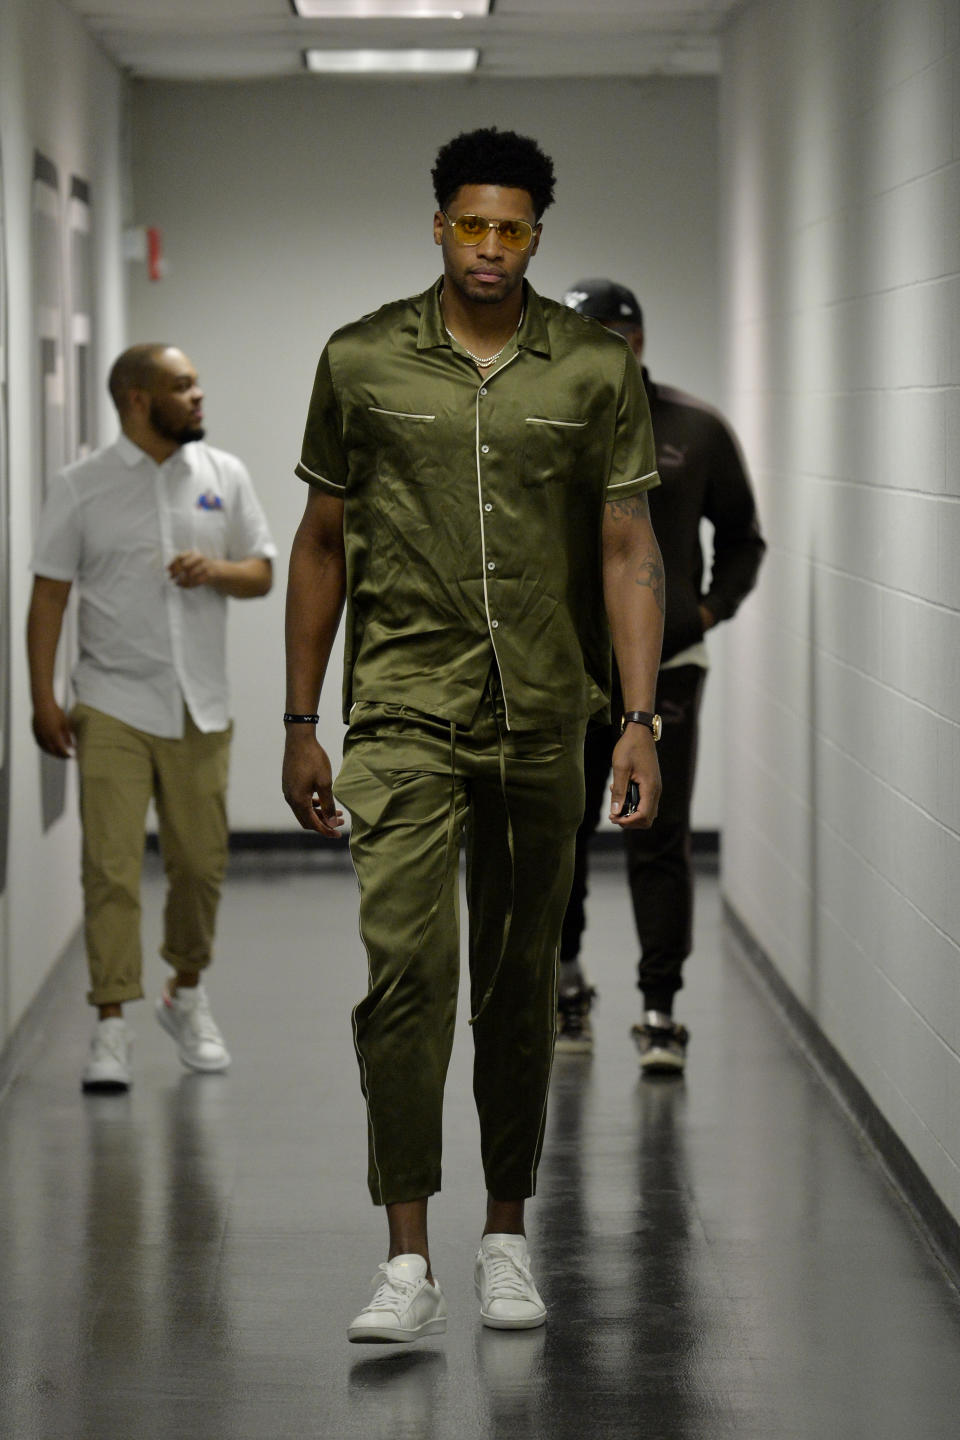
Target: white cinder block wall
{"x":841,"y":221}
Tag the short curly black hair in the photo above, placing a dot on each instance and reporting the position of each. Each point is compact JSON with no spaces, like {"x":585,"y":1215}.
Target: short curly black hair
{"x":494,"y":157}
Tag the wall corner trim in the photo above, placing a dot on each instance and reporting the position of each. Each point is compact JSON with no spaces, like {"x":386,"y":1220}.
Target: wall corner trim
{"x":937,"y":1226}
{"x":18,"y":1047}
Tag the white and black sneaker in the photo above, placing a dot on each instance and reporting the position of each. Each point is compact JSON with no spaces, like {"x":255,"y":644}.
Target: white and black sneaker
{"x":107,"y":1070}
{"x":662,"y":1044}
{"x":574,"y":1030}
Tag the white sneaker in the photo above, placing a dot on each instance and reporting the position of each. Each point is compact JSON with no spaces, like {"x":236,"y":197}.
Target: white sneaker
{"x":509,"y":1300}
{"x":108,"y":1064}
{"x":405,"y":1306}
{"x":186,"y":1016}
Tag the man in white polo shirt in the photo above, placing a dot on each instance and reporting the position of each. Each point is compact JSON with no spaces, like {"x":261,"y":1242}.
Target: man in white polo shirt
{"x":156,"y":530}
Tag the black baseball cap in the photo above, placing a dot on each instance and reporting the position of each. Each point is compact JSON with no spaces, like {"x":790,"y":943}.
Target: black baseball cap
{"x":604,"y":300}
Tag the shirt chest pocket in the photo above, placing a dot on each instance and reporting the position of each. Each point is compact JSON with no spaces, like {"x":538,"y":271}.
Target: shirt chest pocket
{"x":199,"y":523}
{"x":403,"y":443}
{"x":553,"y":449}
{"x":209,"y":528}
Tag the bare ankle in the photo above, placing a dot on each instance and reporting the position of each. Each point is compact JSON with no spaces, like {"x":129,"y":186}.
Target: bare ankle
{"x":504,"y":1217}
{"x":183,"y":981}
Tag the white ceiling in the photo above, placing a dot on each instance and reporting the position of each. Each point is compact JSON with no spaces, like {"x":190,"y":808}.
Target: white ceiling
{"x":249,"y":39}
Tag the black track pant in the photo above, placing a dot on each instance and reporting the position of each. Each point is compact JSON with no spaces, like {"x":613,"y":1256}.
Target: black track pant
{"x":659,"y":859}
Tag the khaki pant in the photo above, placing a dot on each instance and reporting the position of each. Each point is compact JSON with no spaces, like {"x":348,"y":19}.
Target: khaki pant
{"x":121,"y":769}
{"x":412,"y":784}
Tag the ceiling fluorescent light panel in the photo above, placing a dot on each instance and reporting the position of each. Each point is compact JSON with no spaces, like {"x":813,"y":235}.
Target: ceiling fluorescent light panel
{"x":391,"y":62}
{"x":390,"y":9}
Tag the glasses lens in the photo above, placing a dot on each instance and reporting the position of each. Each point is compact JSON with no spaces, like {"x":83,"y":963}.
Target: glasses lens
{"x":515,"y":234}
{"x":469,"y":229}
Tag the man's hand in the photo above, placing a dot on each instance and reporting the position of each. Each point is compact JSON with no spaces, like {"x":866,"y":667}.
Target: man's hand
{"x":635,"y":758}
{"x":53,"y":732}
{"x":308,"y":782}
{"x":190,"y":569}
{"x":240,"y":579}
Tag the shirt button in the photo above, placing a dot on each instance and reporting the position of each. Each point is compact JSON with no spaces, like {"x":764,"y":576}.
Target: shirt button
{"x":485,"y":449}
{"x":483,"y":389}
{"x":488,"y":507}
{"x":494,"y":624}
{"x":490,"y":565}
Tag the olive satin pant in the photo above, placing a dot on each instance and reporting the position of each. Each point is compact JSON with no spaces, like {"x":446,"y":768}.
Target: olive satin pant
{"x":413,"y":786}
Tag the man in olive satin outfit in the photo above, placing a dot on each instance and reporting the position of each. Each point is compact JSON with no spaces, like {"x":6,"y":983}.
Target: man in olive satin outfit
{"x":477,"y":460}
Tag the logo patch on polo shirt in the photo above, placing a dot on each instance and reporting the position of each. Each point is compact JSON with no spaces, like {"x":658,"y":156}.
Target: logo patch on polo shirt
{"x":209,"y":500}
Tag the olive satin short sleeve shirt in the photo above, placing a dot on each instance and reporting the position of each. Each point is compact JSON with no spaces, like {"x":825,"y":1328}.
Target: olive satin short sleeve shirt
{"x":473,"y":506}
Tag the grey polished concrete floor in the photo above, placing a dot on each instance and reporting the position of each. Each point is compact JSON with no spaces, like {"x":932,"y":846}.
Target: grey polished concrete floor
{"x":721,"y":1256}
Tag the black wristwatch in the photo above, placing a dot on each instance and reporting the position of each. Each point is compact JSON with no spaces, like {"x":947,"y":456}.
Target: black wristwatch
{"x":642,"y":717}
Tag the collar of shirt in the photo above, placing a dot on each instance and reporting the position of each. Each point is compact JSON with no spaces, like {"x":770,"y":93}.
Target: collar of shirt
{"x":532,"y":334}
{"x":131,"y":454}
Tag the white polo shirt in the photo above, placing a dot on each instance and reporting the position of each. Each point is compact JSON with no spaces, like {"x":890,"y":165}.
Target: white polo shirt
{"x":112,"y":523}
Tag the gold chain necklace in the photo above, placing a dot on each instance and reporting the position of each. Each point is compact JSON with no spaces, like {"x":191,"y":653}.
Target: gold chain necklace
{"x":492,"y":359}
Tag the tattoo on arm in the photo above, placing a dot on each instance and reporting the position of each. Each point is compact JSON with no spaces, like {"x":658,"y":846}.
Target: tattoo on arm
{"x":649,"y":564}
{"x":632,"y":507}
{"x":650,"y":572}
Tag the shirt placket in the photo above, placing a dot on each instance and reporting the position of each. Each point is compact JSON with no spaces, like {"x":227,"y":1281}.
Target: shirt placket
{"x":488,"y":554}
{"x":172,"y":592}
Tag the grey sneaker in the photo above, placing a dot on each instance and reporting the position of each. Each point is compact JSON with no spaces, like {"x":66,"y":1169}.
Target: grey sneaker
{"x":186,"y":1016}
{"x":108,"y":1065}
{"x":509,"y":1299}
{"x":574,"y":1030}
{"x":661,"y":1042}
{"x":404,"y":1307}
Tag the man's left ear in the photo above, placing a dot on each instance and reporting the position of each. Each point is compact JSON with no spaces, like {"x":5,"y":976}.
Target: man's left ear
{"x":537,"y":232}
{"x":438,"y":228}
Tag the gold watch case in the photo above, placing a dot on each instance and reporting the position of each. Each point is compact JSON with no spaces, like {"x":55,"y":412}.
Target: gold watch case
{"x":640,"y":717}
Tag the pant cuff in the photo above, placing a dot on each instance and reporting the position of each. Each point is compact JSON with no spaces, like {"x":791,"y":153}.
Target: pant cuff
{"x":114,"y":994}
{"x":661,"y":1000}
{"x":185,"y":967}
{"x":511,"y":1190}
{"x":402,"y":1192}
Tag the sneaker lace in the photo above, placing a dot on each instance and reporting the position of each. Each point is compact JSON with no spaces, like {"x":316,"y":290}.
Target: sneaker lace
{"x":507,"y":1276}
{"x":392,"y":1293}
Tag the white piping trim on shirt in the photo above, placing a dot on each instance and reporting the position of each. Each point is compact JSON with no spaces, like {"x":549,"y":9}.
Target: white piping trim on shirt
{"x":620,"y":483}
{"x":483,"y":534}
{"x":314,"y":476}
{"x":400,"y":414}
{"x":565,"y":424}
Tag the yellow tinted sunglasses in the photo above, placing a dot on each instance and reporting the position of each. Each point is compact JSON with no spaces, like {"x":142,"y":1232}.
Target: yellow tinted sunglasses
{"x":471,"y":229}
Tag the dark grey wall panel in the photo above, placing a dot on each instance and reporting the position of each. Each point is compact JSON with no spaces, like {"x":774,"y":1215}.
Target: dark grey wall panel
{"x":51,"y":425}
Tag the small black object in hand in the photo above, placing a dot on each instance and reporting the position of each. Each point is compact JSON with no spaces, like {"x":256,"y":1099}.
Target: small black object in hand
{"x":631,"y":801}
